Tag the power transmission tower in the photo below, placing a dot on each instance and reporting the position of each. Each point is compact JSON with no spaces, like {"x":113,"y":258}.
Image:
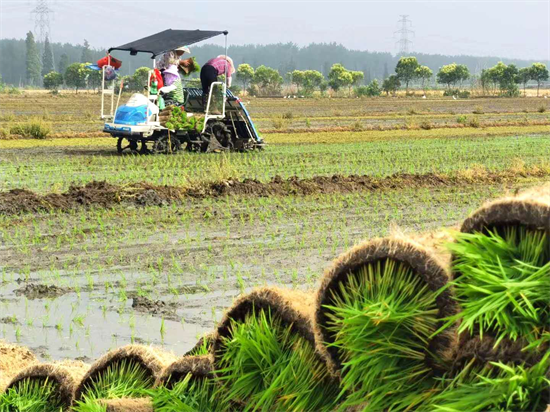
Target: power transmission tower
{"x":42,"y":20}
{"x":404,"y":43}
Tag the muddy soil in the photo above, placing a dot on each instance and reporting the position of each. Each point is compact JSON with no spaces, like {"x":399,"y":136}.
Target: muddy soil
{"x":38,"y":291}
{"x":155,"y":307}
{"x":94,"y":193}
{"x":103,"y":194}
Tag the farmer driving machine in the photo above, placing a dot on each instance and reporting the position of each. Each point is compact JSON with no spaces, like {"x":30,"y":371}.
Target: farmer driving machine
{"x":218,"y":122}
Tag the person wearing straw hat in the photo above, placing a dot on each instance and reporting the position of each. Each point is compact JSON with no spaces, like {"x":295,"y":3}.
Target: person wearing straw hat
{"x":172,"y":57}
{"x":172,"y":91}
{"x":212,"y":69}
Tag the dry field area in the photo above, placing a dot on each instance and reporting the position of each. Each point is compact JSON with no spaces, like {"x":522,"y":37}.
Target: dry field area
{"x":99,"y":250}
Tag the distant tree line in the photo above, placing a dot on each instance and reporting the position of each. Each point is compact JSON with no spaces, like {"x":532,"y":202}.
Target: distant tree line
{"x":502,"y":78}
{"x":284,"y":57}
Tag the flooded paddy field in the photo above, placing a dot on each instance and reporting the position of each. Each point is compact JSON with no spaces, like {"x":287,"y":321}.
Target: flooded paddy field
{"x":99,"y":250}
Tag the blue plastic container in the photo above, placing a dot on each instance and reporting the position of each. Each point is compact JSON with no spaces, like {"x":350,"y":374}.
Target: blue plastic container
{"x":131,"y":115}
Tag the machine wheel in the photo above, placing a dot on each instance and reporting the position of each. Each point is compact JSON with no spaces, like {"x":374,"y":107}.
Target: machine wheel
{"x":221,"y":133}
{"x":124,"y":145}
{"x":143,"y":149}
{"x":167,"y":145}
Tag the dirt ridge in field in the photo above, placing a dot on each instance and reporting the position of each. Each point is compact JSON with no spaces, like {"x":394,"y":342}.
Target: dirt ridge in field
{"x":103,"y":194}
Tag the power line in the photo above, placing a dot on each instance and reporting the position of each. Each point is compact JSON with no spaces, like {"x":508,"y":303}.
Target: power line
{"x":42,"y":20}
{"x":404,"y":44}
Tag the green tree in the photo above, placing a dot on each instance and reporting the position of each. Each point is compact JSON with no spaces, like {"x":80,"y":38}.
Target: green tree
{"x":32,"y":60}
{"x":485,"y":80}
{"x":462,"y":73}
{"x":139,"y":79}
{"x":503,"y":76}
{"x":76,"y":76}
{"x":406,"y":70}
{"x":323,"y":87}
{"x":339,"y":77}
{"x":524,"y":75}
{"x":509,"y":80}
{"x":63,"y":63}
{"x":297,"y":78}
{"x":447,"y":75}
{"x":490,"y":78}
{"x":53,"y":80}
{"x":424,"y":73}
{"x":453,"y":73}
{"x":94,"y":79}
{"x":371,"y":90}
{"x":539,"y":73}
{"x":356,"y":79}
{"x":86,"y":56}
{"x":496,"y":73}
{"x":267,"y":80}
{"x":391,"y":84}
{"x":47,"y":58}
{"x":312,"y":80}
{"x":245,"y":74}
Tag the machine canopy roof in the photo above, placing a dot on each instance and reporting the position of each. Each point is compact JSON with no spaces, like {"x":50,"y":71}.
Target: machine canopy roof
{"x":166,"y":40}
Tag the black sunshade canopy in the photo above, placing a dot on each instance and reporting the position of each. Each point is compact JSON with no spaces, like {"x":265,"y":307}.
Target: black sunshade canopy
{"x":167,"y":40}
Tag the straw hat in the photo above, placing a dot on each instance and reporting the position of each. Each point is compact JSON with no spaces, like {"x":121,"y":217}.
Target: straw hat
{"x":182,"y":50}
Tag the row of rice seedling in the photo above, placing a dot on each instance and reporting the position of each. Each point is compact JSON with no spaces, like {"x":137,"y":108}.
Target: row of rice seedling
{"x":342,"y":153}
{"x":397,"y":324}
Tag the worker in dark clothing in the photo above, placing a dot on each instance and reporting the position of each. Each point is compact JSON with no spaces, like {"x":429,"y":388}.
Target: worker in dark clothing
{"x":211,"y":70}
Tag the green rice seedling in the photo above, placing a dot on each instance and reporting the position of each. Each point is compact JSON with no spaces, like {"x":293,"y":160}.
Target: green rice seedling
{"x":202,"y":347}
{"x":31,"y":395}
{"x":122,"y":379}
{"x":267,"y":366}
{"x":381,"y":320}
{"x":502,"y":282}
{"x":187,"y":395}
{"x":498,"y":387}
{"x":90,"y":405}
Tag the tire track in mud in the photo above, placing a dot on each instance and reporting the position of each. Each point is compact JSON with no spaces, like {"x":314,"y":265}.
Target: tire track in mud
{"x":103,"y":194}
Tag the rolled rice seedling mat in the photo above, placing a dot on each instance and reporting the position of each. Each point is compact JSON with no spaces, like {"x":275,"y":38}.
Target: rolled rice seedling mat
{"x":501,"y":268}
{"x":377,"y":307}
{"x":186,"y":385}
{"x":41,"y":388}
{"x":496,"y":387}
{"x":434,"y":242}
{"x":13,"y":359}
{"x":128,"y":405}
{"x":265,"y":356}
{"x":202,"y":347}
{"x":125,"y":372}
{"x":199,"y":367}
{"x":478,"y":352}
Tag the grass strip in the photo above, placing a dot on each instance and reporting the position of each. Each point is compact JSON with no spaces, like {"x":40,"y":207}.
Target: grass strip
{"x":381,"y":319}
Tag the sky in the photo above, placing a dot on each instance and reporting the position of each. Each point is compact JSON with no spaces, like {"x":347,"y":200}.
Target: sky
{"x":513,"y":29}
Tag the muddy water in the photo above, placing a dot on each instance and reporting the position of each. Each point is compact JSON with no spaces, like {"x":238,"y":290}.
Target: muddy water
{"x":85,"y":325}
